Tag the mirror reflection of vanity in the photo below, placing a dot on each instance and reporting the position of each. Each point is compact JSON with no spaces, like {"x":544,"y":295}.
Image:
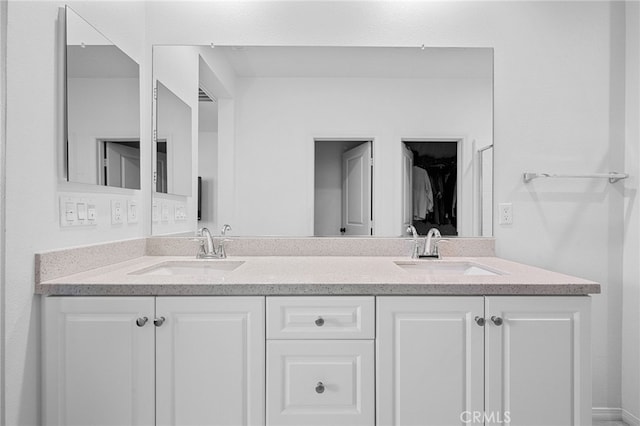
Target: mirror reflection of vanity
{"x":299,"y":141}
{"x":102,"y":109}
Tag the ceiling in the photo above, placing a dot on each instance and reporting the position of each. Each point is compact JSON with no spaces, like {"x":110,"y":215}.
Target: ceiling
{"x":102,"y":61}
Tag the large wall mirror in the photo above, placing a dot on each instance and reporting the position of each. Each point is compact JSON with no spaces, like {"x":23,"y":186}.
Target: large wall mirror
{"x":102,"y":109}
{"x":341,"y":141}
{"x":173,"y":143}
{"x":175,"y":98}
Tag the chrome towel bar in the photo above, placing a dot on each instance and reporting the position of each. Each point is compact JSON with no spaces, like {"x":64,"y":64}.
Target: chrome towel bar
{"x":613,"y":176}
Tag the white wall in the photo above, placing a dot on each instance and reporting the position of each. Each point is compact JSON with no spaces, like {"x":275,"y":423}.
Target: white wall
{"x":32,"y":184}
{"x":631,"y":271}
{"x":277,"y":120}
{"x":101,"y":108}
{"x":552,"y":112}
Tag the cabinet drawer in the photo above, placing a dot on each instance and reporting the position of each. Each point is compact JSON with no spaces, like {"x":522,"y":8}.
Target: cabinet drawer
{"x":320,"y":317}
{"x":320,"y":383}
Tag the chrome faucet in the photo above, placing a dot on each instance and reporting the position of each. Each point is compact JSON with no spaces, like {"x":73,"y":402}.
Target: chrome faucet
{"x":416,"y":243}
{"x":207,"y":249}
{"x":431,"y":248}
{"x":222,"y":254}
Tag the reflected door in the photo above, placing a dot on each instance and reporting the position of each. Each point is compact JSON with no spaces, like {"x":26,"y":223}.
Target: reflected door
{"x":121,"y":164}
{"x":356,"y":190}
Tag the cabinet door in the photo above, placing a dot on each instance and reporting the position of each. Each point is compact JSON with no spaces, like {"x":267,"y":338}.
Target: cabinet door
{"x":98,"y":363}
{"x":320,"y":383}
{"x":210,"y":361}
{"x":538,"y":365}
{"x":429,"y":360}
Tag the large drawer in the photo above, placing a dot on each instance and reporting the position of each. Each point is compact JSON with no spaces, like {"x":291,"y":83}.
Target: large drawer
{"x":321,"y":317}
{"x":320,"y":383}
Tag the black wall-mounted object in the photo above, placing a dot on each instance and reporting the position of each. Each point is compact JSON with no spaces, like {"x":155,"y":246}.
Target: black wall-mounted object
{"x":199,"y":197}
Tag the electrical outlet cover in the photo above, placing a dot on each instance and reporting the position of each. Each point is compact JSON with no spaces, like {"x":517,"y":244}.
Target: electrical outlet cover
{"x":505,"y":214}
{"x":117,"y":212}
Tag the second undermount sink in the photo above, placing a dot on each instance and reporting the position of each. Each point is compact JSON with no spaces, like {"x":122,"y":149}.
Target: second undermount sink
{"x":443,"y":267}
{"x":214,"y":268}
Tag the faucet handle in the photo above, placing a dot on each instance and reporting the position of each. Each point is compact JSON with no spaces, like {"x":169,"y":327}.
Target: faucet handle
{"x":225,"y":228}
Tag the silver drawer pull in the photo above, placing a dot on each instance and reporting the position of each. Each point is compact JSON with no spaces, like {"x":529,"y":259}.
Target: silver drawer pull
{"x":159,"y":321}
{"x":140,"y":322}
{"x":320,"y":323}
{"x":496,"y":320}
{"x":480,"y":321}
{"x":320,"y":387}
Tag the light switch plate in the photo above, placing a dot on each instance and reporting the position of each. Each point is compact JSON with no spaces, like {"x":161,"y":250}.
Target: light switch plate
{"x":132,"y":211}
{"x":155,"y":214}
{"x":74,"y":211}
{"x":164,"y":212}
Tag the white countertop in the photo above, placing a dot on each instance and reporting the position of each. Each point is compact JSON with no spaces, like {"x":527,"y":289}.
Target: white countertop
{"x":317,"y":275}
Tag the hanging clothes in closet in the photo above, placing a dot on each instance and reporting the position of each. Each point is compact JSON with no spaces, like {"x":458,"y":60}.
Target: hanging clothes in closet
{"x":422,"y":194}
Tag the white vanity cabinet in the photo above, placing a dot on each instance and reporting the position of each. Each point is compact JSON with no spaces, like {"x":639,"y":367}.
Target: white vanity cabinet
{"x":320,"y":361}
{"x":441,"y":360}
{"x":194,"y":360}
{"x":98,"y":363}
{"x":430,"y":359}
{"x":317,"y":361}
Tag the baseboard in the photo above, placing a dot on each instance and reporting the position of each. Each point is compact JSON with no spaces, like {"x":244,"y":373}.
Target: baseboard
{"x":630,"y":419}
{"x":603,"y":414}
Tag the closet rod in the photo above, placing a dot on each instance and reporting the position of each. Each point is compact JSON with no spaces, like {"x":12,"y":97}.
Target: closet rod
{"x":613,"y":176}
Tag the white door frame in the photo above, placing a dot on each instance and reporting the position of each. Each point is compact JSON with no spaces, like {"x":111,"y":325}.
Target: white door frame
{"x":311,"y":175}
{"x":460,"y":202}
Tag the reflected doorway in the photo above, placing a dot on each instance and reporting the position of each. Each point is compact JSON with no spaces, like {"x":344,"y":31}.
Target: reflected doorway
{"x":343,"y":188}
{"x":430,"y":193}
{"x":119,"y":163}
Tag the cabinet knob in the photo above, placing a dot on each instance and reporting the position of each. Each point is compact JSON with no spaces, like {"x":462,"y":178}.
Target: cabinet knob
{"x":159,"y":321}
{"x":140,"y":322}
{"x":480,"y":321}
{"x":320,"y":387}
{"x":320,"y":323}
{"x":496,"y":320}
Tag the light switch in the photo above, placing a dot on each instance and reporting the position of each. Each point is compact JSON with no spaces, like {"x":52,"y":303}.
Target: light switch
{"x":92,"y":212}
{"x":82,"y":211}
{"x":70,"y":211}
{"x":132,"y":211}
{"x":74,"y":211}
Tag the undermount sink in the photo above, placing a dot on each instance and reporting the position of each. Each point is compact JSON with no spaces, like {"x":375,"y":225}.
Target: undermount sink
{"x":443,"y":267}
{"x":215,"y":268}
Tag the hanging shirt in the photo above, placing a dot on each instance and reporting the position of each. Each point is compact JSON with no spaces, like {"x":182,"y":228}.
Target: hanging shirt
{"x":422,"y":193}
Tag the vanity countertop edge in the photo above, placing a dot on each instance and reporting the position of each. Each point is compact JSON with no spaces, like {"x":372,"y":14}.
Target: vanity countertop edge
{"x":314,"y":275}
